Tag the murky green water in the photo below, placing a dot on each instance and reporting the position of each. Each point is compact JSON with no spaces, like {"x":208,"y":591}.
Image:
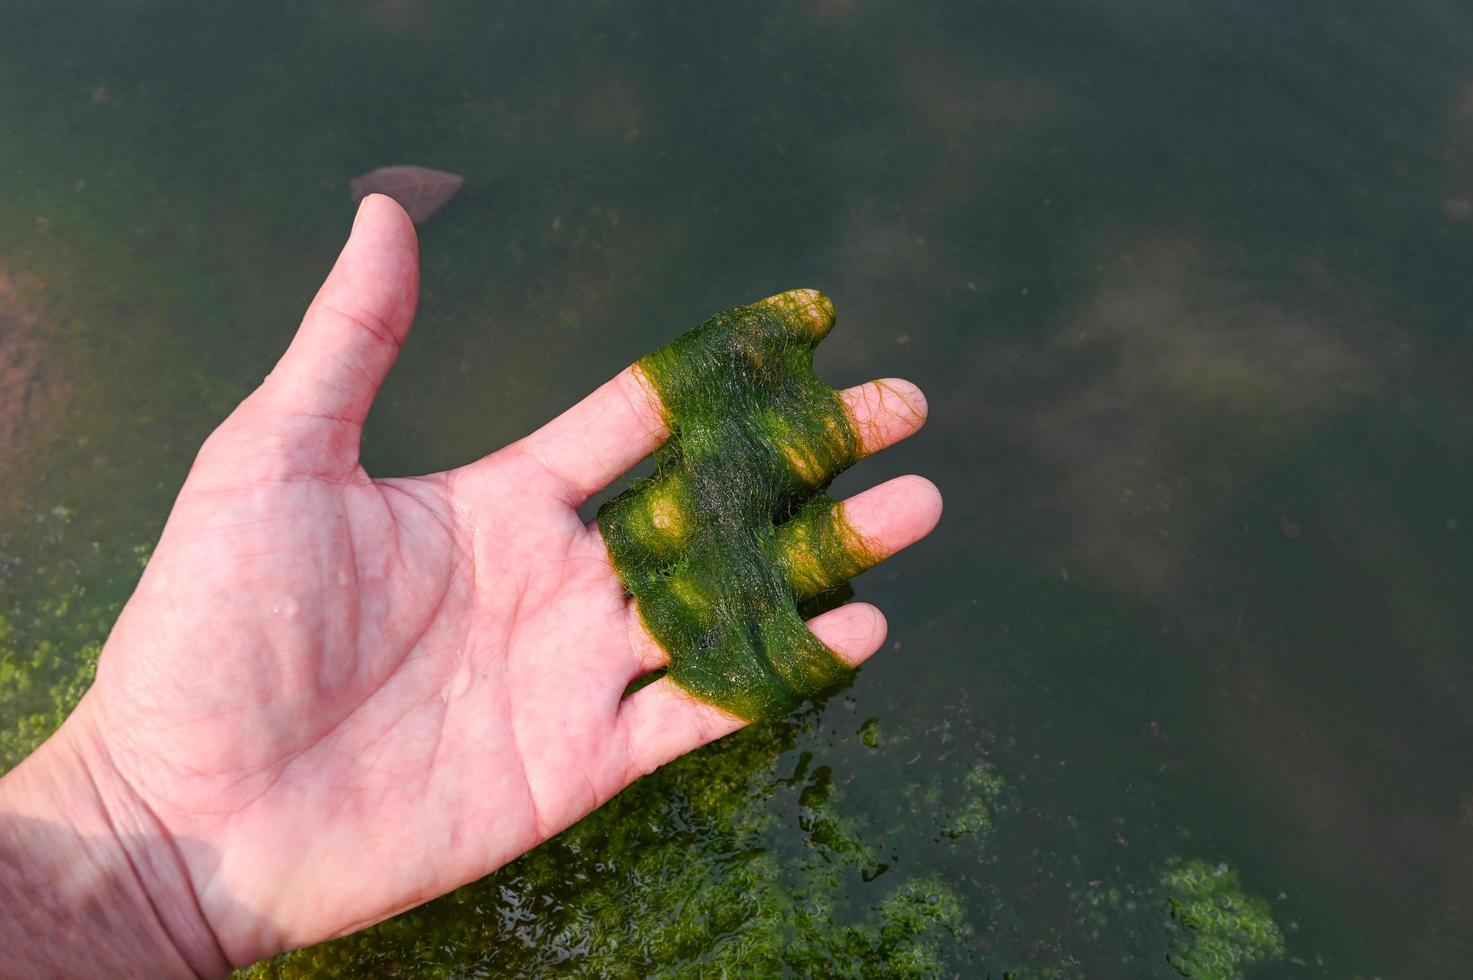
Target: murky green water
{"x":1188,"y":287}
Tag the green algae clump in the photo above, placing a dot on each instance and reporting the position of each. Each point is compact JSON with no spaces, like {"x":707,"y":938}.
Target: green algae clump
{"x":734,"y":528}
{"x":1219,"y":928}
{"x":742,"y":859}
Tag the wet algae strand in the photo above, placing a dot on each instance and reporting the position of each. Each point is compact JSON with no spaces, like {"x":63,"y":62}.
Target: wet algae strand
{"x":734,"y":529}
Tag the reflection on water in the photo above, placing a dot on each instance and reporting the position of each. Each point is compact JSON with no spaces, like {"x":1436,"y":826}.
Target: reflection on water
{"x":1187,"y":288}
{"x":1158,"y":402}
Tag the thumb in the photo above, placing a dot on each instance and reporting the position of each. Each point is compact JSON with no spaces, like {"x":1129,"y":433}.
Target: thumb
{"x":355,"y":326}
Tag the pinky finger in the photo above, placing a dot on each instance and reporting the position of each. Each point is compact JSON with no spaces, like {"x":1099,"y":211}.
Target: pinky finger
{"x":662,"y":721}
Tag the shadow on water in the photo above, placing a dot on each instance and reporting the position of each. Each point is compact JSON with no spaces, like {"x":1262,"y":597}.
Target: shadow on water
{"x":1187,"y":289}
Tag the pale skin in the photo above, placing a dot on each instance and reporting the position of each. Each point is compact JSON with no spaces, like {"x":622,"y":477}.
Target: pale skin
{"x":334,"y":697}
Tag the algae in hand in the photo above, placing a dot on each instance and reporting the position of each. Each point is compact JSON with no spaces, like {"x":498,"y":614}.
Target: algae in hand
{"x":733,"y":528}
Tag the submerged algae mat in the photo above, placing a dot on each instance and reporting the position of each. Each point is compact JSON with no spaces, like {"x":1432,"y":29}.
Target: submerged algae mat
{"x":733,"y":529}
{"x":759,"y":855}
{"x":696,"y":873}
{"x":768,"y":853}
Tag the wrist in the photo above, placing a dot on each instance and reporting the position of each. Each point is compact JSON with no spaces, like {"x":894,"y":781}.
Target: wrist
{"x":91,"y":884}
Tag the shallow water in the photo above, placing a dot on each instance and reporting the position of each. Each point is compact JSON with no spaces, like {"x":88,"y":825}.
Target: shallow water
{"x":1188,"y":290}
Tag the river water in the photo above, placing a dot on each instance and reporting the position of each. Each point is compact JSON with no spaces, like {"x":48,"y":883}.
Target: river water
{"x":1188,"y":287}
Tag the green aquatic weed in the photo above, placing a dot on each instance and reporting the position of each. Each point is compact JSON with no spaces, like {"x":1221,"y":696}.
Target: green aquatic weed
{"x":1191,"y":914}
{"x":696,"y":871}
{"x":1219,"y":928}
{"x":734,"y":529}
{"x":50,"y":642}
{"x":975,"y":814}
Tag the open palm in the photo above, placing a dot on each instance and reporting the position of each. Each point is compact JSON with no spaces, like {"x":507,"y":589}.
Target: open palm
{"x":341,"y":696}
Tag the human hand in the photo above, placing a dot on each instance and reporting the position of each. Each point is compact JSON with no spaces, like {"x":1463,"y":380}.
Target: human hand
{"x":334,"y":697}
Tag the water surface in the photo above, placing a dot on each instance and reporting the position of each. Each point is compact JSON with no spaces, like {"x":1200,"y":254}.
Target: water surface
{"x":1188,"y":288}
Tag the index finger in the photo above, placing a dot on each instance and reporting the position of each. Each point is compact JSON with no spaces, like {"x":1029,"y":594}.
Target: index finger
{"x":599,"y":439}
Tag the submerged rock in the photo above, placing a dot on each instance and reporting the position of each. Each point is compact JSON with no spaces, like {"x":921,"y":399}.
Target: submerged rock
{"x":421,"y":191}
